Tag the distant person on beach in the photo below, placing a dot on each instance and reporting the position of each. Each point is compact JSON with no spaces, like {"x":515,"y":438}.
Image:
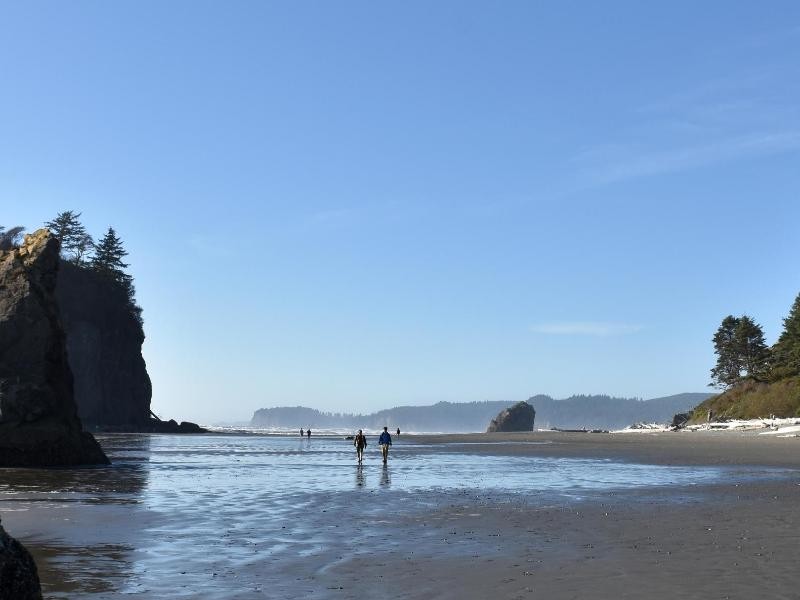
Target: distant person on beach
{"x":710,"y":416}
{"x":360,"y":442}
{"x":384,"y":442}
{"x":308,"y":433}
{"x":302,"y":433}
{"x":398,"y":432}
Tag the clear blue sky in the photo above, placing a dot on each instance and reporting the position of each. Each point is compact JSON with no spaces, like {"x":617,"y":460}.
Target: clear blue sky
{"x":354,"y":205}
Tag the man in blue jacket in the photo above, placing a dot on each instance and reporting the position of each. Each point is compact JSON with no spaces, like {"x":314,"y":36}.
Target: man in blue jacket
{"x":385,"y":441}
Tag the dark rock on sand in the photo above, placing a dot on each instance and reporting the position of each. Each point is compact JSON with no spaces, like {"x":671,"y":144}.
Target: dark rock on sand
{"x":172,"y":426}
{"x":19,"y":579}
{"x":680,"y":420}
{"x":39,"y":424}
{"x":104,"y":347}
{"x":519,"y":417}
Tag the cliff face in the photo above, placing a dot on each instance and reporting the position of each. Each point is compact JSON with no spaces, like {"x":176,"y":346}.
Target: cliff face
{"x":104,"y":346}
{"x":39,"y":425}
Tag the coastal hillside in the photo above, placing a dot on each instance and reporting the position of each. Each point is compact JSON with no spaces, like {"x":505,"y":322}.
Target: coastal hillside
{"x":753,"y":400}
{"x":759,"y":381}
{"x":591,"y":412}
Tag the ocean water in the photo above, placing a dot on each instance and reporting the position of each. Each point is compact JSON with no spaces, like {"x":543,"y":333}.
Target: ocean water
{"x":187,"y":516}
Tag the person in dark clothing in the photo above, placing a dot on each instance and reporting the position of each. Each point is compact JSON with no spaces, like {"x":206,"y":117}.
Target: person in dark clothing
{"x":308,"y":433}
{"x":398,"y":432}
{"x":360,"y":442}
{"x":385,"y":441}
{"x":302,"y":433}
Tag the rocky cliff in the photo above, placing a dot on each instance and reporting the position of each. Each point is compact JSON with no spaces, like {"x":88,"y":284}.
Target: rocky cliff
{"x":39,"y":424}
{"x":519,"y":417}
{"x":104,"y":346}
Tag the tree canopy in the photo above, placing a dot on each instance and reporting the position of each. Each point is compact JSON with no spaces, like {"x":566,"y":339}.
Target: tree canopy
{"x":75,"y":241}
{"x":105,"y":257}
{"x":786,"y":351}
{"x":741,"y":350}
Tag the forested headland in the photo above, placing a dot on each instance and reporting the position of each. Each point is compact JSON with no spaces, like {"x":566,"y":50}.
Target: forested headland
{"x":758,"y":381}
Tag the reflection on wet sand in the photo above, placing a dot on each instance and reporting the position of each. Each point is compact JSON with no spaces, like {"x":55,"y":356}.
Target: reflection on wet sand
{"x":227,"y":516}
{"x":386,"y":480}
{"x":360,"y":479}
{"x":77,"y":549}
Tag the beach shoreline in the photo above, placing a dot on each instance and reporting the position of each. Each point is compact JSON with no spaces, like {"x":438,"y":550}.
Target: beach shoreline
{"x":710,"y":448}
{"x":732,"y":537}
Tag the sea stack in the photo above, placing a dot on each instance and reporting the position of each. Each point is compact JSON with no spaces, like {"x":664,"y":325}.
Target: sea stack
{"x":39,"y":424}
{"x":519,"y":417}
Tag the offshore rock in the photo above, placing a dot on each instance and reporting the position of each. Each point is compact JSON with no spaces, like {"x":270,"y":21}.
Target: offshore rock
{"x":519,"y":417}
{"x":39,"y":424}
{"x":104,"y":348}
{"x":19,"y":579}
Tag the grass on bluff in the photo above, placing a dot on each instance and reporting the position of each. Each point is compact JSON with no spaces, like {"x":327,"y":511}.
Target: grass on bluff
{"x":753,"y":400}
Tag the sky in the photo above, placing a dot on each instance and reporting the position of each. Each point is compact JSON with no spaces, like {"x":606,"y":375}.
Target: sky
{"x":357,"y":205}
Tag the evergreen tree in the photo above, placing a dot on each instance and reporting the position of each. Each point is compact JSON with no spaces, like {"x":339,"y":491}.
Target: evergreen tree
{"x":75,"y":241}
{"x":741,"y":352}
{"x":108,"y":255}
{"x":786,"y":352}
{"x":10,"y":239}
{"x":107,"y":261}
{"x":727,"y":371}
{"x":754,"y":355}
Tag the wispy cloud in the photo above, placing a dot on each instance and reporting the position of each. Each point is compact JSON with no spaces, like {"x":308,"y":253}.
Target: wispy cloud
{"x":693,"y":157}
{"x":591,"y":328}
{"x":740,"y":115}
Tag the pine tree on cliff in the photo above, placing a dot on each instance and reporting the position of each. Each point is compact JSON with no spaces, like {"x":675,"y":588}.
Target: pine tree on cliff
{"x":75,"y":241}
{"x":10,"y":239}
{"x":727,"y":371}
{"x":107,"y":261}
{"x":786,"y":352}
{"x":108,"y":255}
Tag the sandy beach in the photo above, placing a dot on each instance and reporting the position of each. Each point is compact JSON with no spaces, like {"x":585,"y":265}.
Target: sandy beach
{"x":734,"y":540}
{"x":734,"y":536}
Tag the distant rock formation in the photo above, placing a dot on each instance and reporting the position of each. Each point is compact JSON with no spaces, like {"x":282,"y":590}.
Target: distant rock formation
{"x":575,"y":412}
{"x":39,"y":424}
{"x":104,"y":348}
{"x":519,"y":417}
{"x":19,"y":579}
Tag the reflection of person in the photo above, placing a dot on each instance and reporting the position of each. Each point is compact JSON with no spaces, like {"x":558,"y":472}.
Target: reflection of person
{"x":360,"y":479}
{"x":308,"y":433}
{"x":385,"y":479}
{"x":385,"y":441}
{"x":360,"y":442}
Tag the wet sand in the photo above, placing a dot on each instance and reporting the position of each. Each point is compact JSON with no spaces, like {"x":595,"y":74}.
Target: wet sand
{"x":731,"y":540}
{"x":657,"y":448}
{"x":734,"y":537}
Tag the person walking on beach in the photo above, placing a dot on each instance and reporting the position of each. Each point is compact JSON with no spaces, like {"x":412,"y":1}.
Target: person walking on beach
{"x":398,"y":432}
{"x":360,"y":442}
{"x":385,"y":441}
{"x":302,"y":433}
{"x":308,"y":433}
